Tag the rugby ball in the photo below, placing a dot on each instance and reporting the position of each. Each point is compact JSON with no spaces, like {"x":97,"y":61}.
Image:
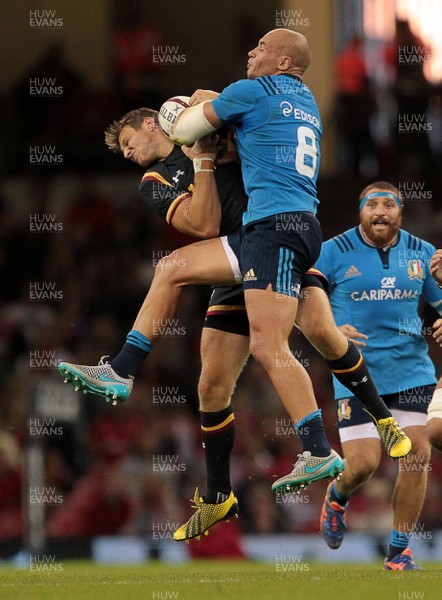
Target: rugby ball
{"x":170,"y":111}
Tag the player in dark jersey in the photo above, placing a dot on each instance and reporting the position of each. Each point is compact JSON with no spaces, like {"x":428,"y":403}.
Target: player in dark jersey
{"x":434,"y":423}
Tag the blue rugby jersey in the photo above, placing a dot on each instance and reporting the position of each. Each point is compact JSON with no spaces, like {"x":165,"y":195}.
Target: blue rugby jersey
{"x":278,"y":130}
{"x":378,"y":292}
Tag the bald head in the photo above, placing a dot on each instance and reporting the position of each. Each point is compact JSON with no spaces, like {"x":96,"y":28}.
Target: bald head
{"x":280,"y":51}
{"x":292,"y":44}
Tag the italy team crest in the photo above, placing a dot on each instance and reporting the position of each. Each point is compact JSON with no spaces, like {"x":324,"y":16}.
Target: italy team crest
{"x":344,"y":409}
{"x":415,"y":270}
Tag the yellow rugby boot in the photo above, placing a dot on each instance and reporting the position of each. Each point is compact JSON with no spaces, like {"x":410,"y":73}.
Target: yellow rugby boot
{"x":205,"y":516}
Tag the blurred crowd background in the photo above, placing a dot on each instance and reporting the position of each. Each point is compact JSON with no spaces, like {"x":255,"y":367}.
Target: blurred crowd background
{"x":78,"y":249}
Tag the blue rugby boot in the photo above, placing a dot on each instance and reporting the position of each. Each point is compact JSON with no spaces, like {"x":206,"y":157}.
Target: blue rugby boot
{"x":100,"y":379}
{"x":332,"y":524}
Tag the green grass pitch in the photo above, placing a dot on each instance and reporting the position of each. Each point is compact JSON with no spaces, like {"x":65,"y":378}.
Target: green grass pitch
{"x":220,"y":580}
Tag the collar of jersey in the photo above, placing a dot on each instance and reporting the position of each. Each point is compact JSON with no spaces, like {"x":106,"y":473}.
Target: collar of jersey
{"x":176,"y":151}
{"x":297,"y":77}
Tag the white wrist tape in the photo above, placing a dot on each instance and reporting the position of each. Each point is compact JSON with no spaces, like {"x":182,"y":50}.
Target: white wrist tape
{"x":197,"y":164}
{"x":191,"y":125}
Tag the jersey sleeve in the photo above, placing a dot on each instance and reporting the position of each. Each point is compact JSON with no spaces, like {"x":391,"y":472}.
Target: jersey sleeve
{"x":431,"y":291}
{"x":160,"y":195}
{"x":325,"y":262}
{"x":235,"y":101}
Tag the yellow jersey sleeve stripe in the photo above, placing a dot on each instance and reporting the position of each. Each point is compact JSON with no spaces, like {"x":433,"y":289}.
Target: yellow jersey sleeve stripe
{"x":172,"y":208}
{"x":229,"y":419}
{"x":153,"y":176}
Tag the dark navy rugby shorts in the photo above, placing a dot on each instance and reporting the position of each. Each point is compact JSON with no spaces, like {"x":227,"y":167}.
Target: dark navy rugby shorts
{"x":276,"y":251}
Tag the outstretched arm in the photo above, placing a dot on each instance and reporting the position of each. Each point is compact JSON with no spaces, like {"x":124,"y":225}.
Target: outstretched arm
{"x":194,"y":123}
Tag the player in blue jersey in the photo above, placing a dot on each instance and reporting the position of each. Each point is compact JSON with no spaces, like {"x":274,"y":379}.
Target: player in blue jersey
{"x":377,"y":273}
{"x":434,"y":422}
{"x":278,"y":130}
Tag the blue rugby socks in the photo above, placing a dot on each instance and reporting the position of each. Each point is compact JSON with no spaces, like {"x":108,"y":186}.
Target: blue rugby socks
{"x":311,"y":431}
{"x":128,"y":362}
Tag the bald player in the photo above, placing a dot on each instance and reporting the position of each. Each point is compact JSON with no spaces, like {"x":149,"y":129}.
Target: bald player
{"x":278,"y":130}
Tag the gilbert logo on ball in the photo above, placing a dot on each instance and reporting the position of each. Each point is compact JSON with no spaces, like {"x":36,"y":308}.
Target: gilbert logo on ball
{"x":170,"y":111}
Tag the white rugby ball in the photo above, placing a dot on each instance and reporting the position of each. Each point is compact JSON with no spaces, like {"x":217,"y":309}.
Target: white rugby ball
{"x":171,"y":110}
